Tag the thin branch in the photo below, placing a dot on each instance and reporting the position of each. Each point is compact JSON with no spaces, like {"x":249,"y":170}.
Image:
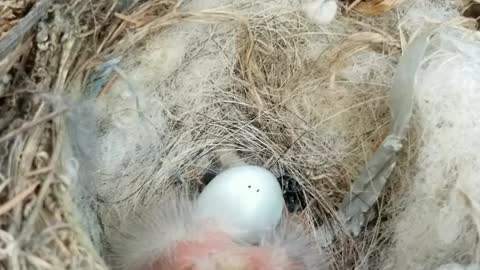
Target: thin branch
{"x":4,"y":208}
{"x":30,"y":125}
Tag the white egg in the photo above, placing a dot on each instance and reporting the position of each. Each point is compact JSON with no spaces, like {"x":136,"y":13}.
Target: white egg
{"x":246,"y":200}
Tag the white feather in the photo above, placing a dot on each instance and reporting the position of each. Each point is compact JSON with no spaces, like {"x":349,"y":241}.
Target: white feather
{"x":321,"y":11}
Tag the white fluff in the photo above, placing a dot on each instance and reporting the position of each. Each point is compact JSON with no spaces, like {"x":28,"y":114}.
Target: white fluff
{"x":456,"y":266}
{"x":321,"y":11}
{"x":438,"y":224}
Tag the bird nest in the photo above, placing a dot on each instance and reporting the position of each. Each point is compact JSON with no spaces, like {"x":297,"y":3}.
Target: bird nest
{"x":279,"y":110}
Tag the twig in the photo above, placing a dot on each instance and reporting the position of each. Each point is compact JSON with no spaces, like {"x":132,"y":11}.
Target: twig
{"x":14,"y":36}
{"x":353,"y":5}
{"x":4,"y":208}
{"x":4,"y":182}
{"x":39,"y":171}
{"x":30,"y":125}
{"x":27,"y":230}
{"x":39,"y":262}
{"x":7,"y":118}
{"x":126,"y":18}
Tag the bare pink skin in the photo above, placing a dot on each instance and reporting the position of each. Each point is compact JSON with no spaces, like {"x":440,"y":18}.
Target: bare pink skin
{"x":219,"y":252}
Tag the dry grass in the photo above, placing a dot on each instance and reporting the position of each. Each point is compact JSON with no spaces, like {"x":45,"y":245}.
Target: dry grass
{"x":37,"y":227}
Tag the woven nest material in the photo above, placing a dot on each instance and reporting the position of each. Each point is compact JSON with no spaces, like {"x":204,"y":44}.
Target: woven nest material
{"x":43,"y":44}
{"x":49,"y":49}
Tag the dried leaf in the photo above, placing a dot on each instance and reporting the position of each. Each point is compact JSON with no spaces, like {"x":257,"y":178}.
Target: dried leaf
{"x":377,"y":7}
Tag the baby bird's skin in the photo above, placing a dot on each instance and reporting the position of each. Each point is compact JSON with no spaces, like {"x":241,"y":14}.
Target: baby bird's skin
{"x":219,"y":252}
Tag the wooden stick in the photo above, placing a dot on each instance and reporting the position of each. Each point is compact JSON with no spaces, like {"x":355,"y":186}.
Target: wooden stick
{"x":30,"y":125}
{"x":4,"y":208}
{"x":17,"y":33}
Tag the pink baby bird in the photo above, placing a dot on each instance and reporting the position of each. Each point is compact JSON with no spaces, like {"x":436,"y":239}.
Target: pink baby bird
{"x":237,"y":223}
